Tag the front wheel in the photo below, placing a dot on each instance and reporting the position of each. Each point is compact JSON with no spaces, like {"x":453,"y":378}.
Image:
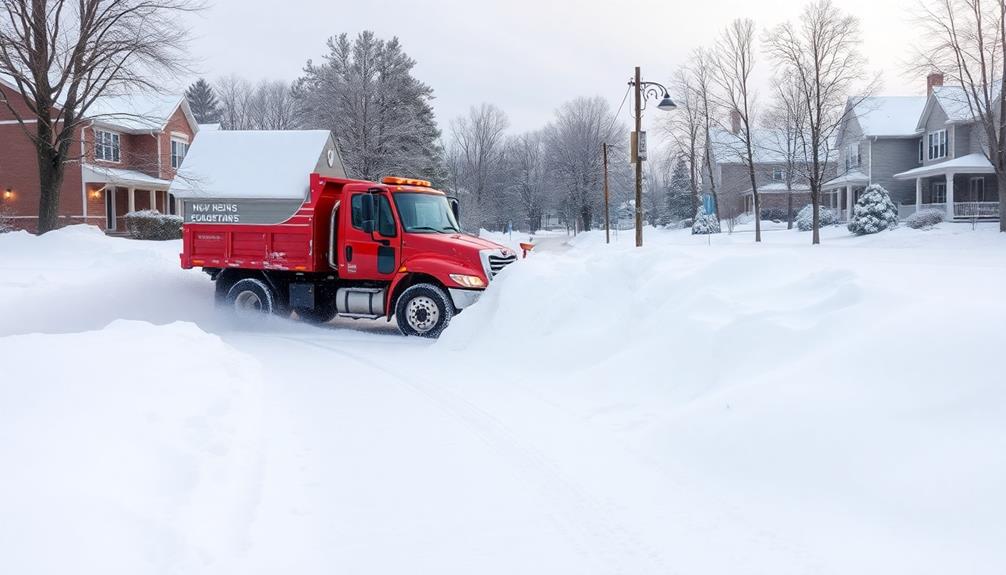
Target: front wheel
{"x":423,"y":310}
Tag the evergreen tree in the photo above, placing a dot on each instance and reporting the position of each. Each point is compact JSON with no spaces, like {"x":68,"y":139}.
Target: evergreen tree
{"x":381,"y":115}
{"x":679,"y":193}
{"x":203,"y":102}
{"x":874,"y":212}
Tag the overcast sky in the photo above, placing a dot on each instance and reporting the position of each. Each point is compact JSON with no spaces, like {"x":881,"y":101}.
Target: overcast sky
{"x":526,"y":56}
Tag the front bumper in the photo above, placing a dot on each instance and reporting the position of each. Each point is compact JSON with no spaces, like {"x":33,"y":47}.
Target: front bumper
{"x":463,"y":298}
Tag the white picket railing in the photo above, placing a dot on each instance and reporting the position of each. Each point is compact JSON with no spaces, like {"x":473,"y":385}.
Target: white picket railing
{"x":980,"y":210}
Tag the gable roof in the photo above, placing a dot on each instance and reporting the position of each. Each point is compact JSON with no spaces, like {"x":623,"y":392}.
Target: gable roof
{"x":256,"y":164}
{"x":889,"y":116}
{"x":140,"y":112}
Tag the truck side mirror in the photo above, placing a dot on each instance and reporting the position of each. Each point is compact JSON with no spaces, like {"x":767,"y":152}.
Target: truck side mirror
{"x":367,"y":212}
{"x":456,"y":208}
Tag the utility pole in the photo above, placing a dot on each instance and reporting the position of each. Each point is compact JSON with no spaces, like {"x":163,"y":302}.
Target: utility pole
{"x":637,"y":88}
{"x":607,"y":226}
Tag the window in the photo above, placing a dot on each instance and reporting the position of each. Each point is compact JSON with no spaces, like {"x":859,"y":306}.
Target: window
{"x":425,"y":213}
{"x":852,"y":155}
{"x":106,"y":146}
{"x":178,"y":151}
{"x":385,"y":221}
{"x":356,"y":207}
{"x":778,"y":174}
{"x":937,"y":144}
{"x":939,"y":193}
{"x":922,"y":150}
{"x":976,"y":190}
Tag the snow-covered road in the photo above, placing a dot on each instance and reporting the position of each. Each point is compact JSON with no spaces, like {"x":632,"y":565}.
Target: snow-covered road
{"x":695,"y":407}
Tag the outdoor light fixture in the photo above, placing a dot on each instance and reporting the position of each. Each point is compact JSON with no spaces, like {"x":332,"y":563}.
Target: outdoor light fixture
{"x":8,"y":194}
{"x":643,"y":92}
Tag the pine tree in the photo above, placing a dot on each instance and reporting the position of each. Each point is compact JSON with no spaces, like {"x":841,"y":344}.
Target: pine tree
{"x":679,"y":193}
{"x":203,"y":102}
{"x":382,"y":116}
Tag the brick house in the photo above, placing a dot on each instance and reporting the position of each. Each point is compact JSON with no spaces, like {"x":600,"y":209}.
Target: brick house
{"x":129,"y":148}
{"x":773,"y":157}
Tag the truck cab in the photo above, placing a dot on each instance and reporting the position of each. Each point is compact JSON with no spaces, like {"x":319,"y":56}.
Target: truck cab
{"x":354,"y":248}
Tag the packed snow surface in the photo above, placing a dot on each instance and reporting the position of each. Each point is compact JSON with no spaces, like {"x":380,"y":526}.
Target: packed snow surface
{"x":703,"y":405}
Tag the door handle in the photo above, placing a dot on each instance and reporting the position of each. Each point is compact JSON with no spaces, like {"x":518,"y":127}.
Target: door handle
{"x":384,"y":242}
{"x":349,"y":253}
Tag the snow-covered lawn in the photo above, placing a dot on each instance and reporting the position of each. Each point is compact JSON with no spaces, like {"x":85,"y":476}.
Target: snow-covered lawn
{"x":700,"y":406}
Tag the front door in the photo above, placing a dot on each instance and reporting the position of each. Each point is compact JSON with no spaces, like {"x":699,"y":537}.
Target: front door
{"x":370,"y":247}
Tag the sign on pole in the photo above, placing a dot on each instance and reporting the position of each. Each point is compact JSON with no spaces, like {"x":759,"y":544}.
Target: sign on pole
{"x":638,"y":145}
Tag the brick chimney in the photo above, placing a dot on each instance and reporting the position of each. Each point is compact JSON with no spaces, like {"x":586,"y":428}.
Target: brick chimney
{"x":933,"y":80}
{"x":735,"y":121}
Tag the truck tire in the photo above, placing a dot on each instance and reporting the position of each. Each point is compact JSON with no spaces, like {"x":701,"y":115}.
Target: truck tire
{"x":251,"y":296}
{"x":423,"y":310}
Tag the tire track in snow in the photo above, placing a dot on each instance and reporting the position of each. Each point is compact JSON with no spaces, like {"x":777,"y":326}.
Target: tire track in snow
{"x":582,"y":518}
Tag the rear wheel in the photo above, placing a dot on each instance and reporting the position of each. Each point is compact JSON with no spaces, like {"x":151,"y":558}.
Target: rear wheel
{"x":423,"y":310}
{"x":251,"y":297}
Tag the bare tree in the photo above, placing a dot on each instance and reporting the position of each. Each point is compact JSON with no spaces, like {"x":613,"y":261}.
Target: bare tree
{"x":966,"y":44}
{"x":574,"y":138}
{"x":479,"y":140}
{"x":235,"y":95}
{"x":64,"y":55}
{"x":702,"y":66}
{"x":528,"y":176}
{"x":787,"y":118}
{"x":821,"y":54}
{"x":688,"y":126}
{"x":272,"y":106}
{"x":735,"y":61}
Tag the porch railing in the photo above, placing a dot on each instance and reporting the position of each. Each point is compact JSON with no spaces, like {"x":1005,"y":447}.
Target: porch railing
{"x":981,"y":210}
{"x":962,"y":210}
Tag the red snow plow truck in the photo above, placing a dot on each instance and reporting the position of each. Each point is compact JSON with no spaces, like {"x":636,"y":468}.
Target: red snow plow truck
{"x":354,"y":248}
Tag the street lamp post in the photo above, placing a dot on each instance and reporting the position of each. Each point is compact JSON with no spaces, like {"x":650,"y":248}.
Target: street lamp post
{"x":643,"y":92}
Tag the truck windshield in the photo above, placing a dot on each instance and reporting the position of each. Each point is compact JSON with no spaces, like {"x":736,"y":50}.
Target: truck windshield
{"x":425,"y":213}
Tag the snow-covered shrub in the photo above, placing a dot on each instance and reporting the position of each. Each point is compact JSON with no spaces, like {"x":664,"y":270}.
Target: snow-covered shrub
{"x":153,"y":225}
{"x":774,"y":214}
{"x":924,"y":219}
{"x":874,"y":212}
{"x":805,"y":218}
{"x":705,"y":223}
{"x":6,"y":221}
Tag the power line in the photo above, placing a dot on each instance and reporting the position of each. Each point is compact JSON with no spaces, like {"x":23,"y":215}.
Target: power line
{"x":614,"y":118}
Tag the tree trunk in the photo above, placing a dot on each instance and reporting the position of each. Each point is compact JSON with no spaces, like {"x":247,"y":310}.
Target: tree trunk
{"x":50,"y":174}
{"x":789,"y":209}
{"x":1001,"y":184}
{"x":757,"y":201}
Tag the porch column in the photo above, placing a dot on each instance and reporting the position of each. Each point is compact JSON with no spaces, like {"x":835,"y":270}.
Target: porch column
{"x":153,"y":199}
{"x":950,"y":197}
{"x":132,"y":199}
{"x":918,"y":194}
{"x":848,"y":202}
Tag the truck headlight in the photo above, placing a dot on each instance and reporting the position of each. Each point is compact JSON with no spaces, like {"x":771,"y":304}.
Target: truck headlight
{"x":468,"y":281}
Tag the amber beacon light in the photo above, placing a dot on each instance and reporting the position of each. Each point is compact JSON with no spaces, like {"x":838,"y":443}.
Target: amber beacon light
{"x":396,"y":181}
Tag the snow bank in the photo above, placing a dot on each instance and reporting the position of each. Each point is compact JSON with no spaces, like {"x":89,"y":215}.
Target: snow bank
{"x":77,"y":278}
{"x":837,"y":409}
{"x":135,"y":449}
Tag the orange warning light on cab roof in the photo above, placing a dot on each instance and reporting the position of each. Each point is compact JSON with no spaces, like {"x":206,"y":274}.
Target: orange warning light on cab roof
{"x":396,"y":181}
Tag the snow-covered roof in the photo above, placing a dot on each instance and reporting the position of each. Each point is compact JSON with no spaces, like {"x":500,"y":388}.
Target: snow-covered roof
{"x":209,"y":127}
{"x":256,"y":164}
{"x":852,"y":177}
{"x":767,"y":145}
{"x":954,"y":102}
{"x":971,"y":164}
{"x":119,"y":177}
{"x":779,"y":188}
{"x":139,"y":112}
{"x":881,"y":116}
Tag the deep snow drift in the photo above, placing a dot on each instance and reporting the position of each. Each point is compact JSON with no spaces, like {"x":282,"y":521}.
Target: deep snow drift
{"x":703,"y":405}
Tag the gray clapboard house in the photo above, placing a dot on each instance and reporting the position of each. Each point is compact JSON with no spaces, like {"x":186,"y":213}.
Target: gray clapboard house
{"x":877,"y":140}
{"x":951,"y":170}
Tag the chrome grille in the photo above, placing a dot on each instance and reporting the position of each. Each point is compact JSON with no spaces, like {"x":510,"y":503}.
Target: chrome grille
{"x":497,"y":263}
